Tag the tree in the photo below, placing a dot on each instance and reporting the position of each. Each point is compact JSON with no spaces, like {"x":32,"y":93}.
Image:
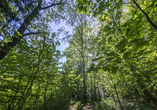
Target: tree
{"x":18,"y":34}
{"x":23,"y":80}
{"x":79,"y":42}
{"x":124,"y":42}
{"x":111,"y":55}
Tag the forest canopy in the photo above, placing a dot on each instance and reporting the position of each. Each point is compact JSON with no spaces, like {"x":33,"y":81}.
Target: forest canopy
{"x":111,"y":60}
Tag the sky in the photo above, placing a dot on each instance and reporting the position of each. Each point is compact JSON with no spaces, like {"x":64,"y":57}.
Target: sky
{"x":63,"y":44}
{"x":54,"y":28}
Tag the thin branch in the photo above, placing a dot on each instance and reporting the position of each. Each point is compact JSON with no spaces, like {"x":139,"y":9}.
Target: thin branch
{"x":146,"y":15}
{"x":116,"y":25}
{"x":143,"y":74}
{"x":75,"y":46}
{"x":131,"y":58}
{"x":78,"y":32}
{"x":140,"y":55}
{"x":30,"y":33}
{"x":53,"y":4}
{"x":74,"y":26}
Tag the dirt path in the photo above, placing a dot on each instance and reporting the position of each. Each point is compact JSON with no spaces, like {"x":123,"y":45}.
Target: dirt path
{"x":86,"y":107}
{"x":89,"y":106}
{"x":72,"y":108}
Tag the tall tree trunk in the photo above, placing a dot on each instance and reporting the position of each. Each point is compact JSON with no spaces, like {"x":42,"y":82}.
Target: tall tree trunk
{"x":83,"y":68}
{"x":16,"y":36}
{"x":84,"y":80}
{"x":95,"y":97}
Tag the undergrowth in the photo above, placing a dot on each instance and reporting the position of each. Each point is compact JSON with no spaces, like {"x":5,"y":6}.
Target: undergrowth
{"x":110,"y":104}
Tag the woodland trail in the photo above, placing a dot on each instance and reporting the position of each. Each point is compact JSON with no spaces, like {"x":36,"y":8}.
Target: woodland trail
{"x":84,"y":107}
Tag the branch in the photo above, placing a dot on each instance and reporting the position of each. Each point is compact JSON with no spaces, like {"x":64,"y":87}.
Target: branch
{"x":53,"y":4}
{"x":132,"y":58}
{"x":74,"y":26}
{"x":143,"y":74}
{"x":30,"y":33}
{"x":147,"y":17}
{"x":75,"y":47}
{"x":125,"y":3}
{"x":140,"y":55}
{"x":6,"y":48}
{"x":78,"y":31}
{"x":117,"y":26}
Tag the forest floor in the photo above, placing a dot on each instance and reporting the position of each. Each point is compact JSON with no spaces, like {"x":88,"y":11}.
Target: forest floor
{"x":83,"y":106}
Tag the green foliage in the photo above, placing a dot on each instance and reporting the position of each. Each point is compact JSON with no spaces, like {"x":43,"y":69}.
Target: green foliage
{"x":111,"y":56}
{"x":107,"y":104}
{"x":126,"y":40}
{"x":26,"y":72}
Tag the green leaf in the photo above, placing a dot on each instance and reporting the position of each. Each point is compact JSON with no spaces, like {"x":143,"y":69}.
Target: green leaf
{"x":127,"y":54}
{"x":106,"y":68}
{"x":121,"y":45}
{"x":114,"y":69}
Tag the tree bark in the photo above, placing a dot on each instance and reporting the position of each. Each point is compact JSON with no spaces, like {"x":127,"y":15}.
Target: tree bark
{"x":16,"y":37}
{"x":95,"y":97}
{"x":83,"y":69}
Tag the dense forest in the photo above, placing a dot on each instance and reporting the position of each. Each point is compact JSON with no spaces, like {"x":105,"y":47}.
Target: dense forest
{"x":111,"y":61}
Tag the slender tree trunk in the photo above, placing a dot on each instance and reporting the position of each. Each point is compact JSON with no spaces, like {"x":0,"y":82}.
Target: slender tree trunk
{"x":94,"y":87}
{"x":147,"y":95}
{"x":116,"y":92}
{"x":26,"y":95}
{"x":84,"y":81}
{"x":22,"y":101}
{"x":45,"y":98}
{"x":15,"y":95}
{"x":36,"y":98}
{"x":91,"y":90}
{"x":51,"y":99}
{"x":83,"y":67}
{"x":22,"y":95}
